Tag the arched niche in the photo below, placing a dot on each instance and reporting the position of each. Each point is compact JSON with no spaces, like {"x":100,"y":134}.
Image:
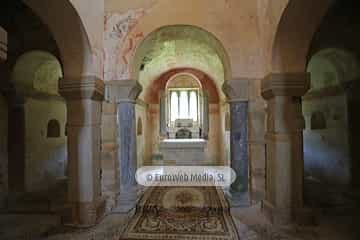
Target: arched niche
{"x":318,"y":121}
{"x":180,"y":46}
{"x":332,"y":67}
{"x":53,"y":129}
{"x":37,"y":71}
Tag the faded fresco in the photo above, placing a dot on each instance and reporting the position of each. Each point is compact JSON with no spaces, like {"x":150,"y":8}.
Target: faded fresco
{"x":121,"y":40}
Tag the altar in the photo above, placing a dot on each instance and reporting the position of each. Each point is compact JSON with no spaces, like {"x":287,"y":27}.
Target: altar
{"x":183,"y":151}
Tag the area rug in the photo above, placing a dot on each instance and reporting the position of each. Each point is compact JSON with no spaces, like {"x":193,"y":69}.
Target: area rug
{"x":188,"y":213}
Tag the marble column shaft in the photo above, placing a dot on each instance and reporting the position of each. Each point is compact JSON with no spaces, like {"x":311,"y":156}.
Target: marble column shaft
{"x":127,"y":145}
{"x":284,"y":141}
{"x":125,"y":93}
{"x":239,"y":150}
{"x":83,"y":99}
{"x":237,"y":91}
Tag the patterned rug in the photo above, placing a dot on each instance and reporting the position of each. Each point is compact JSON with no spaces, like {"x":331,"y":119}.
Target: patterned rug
{"x":196,"y":213}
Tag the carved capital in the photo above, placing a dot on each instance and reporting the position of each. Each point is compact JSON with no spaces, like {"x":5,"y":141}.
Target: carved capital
{"x":88,"y":87}
{"x":237,"y":89}
{"x":285,"y":84}
{"x":122,"y":91}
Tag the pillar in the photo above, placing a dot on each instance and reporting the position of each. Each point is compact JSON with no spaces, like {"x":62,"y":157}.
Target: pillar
{"x":124,"y":93}
{"x":284,"y":146}
{"x":83,"y":99}
{"x":237,"y":93}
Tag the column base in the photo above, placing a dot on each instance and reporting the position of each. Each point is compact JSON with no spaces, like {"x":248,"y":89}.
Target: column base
{"x":238,"y":199}
{"x":288,"y":216}
{"x":84,"y":214}
{"x":126,"y":201}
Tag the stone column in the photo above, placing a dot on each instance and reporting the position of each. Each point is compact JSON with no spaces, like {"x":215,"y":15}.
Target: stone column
{"x":125,"y":93}
{"x":237,"y":93}
{"x":284,"y":152}
{"x":83,"y":99}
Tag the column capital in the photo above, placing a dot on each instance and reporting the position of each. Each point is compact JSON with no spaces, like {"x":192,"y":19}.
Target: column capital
{"x":122,"y":91}
{"x":285,"y":84}
{"x":237,"y":89}
{"x":87,"y":87}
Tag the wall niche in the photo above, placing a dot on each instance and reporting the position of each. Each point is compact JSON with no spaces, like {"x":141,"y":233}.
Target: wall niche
{"x":53,"y":129}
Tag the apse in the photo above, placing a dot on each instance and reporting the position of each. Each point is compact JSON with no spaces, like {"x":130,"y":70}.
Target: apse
{"x":181,"y":69}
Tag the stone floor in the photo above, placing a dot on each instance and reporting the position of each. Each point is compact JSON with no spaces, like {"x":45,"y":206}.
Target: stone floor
{"x":338,"y":218}
{"x":250,"y":223}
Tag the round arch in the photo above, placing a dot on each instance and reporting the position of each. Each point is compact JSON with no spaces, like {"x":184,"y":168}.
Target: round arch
{"x":37,"y":71}
{"x":180,"y":74}
{"x":180,"y":46}
{"x":151,"y":93}
{"x":290,"y":48}
{"x":333,"y":66}
{"x":76,"y":54}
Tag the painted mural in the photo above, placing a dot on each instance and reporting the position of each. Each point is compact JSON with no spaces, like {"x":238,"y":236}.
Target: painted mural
{"x":121,"y":40}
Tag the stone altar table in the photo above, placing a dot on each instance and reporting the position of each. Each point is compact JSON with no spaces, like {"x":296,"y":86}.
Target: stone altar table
{"x":183,"y":151}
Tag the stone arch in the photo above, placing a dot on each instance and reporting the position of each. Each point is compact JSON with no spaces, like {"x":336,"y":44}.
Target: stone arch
{"x":193,"y":80}
{"x":158,"y":49}
{"x":75,"y":51}
{"x":53,"y":129}
{"x":290,"y":48}
{"x":151,"y":94}
{"x":337,"y":66}
{"x":318,"y":121}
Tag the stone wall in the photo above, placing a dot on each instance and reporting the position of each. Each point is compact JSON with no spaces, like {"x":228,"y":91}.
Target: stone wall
{"x":143,"y":156}
{"x":109,"y":163}
{"x":45,"y":157}
{"x":326,"y":146}
{"x":257,"y":146}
